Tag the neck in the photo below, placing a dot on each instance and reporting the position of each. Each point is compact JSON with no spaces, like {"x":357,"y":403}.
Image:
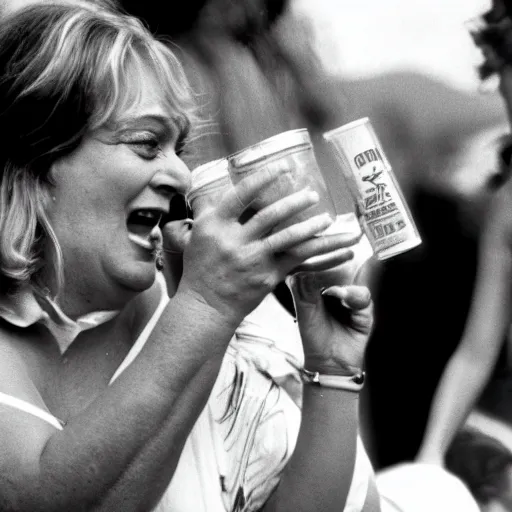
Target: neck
{"x":75,"y":303}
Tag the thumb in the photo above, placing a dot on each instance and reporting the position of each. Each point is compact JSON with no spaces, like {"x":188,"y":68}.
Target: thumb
{"x":176,"y":235}
{"x":351,"y":296}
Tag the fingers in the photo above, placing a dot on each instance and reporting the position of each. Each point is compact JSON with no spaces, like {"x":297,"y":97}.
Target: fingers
{"x":302,"y":245}
{"x":240,"y":196}
{"x":366,"y":272}
{"x":283,"y":209}
{"x":298,"y":233}
{"x":322,"y":262}
{"x":357,"y":310}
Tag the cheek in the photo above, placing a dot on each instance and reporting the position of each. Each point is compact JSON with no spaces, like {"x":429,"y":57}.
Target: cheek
{"x":107,"y":186}
{"x":83,"y":214}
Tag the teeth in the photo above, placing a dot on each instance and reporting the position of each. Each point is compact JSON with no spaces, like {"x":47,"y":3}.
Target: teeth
{"x":143,"y":228}
{"x":146,"y":216}
{"x":145,"y":213}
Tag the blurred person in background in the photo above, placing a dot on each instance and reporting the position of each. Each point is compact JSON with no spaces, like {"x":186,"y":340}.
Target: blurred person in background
{"x":253,"y":76}
{"x":489,"y":321}
{"x":448,"y":199}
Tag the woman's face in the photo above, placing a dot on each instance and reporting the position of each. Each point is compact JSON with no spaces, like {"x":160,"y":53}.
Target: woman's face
{"x":108,"y":197}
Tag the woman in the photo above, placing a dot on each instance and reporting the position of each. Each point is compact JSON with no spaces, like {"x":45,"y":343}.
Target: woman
{"x":489,"y":318}
{"x":102,"y":376}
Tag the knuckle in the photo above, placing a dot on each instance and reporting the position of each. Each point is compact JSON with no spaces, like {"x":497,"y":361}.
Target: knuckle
{"x":232,"y":254}
{"x":269,"y":282}
{"x":272,"y":214}
{"x":298,"y":253}
{"x":262,"y":216}
{"x":328,"y":244}
{"x":208,"y":231}
{"x":268,"y":244}
{"x":265,"y":281}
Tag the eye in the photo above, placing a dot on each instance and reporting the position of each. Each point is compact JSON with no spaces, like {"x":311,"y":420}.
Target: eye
{"x":146,"y":145}
{"x":149,"y":148}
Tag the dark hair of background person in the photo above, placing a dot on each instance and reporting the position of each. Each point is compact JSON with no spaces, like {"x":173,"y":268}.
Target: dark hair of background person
{"x":481,"y":462}
{"x":151,"y":11}
{"x":496,"y":33}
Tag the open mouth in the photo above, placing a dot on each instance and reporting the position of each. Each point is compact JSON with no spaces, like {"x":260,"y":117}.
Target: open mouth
{"x":143,"y":227}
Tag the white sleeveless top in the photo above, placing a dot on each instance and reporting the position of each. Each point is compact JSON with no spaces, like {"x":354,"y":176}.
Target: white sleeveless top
{"x":242,"y":440}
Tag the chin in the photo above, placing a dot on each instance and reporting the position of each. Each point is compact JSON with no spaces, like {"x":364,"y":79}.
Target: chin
{"x":138,"y":277}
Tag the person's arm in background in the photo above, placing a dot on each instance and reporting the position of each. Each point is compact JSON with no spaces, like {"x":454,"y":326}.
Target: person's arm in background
{"x":471,"y":365}
{"x":317,"y":94}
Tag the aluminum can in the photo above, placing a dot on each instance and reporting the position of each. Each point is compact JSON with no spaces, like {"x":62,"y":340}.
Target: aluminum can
{"x":380,"y":204}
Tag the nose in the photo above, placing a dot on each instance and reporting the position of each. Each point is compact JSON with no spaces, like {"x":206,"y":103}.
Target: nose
{"x":173,"y":174}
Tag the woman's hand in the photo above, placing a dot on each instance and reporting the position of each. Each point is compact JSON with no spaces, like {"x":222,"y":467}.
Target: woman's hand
{"x":335,"y":324}
{"x":176,"y":236}
{"x":334,"y":329}
{"x":231,"y":264}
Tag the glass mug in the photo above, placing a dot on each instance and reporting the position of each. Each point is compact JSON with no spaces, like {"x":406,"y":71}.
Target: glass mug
{"x":209,"y":182}
{"x":289,"y":156}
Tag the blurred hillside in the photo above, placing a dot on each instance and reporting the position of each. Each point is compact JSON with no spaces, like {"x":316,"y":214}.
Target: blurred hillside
{"x":430,"y":106}
{"x":419,"y":120}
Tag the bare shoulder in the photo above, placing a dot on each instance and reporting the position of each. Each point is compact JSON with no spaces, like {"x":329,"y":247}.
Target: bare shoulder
{"x":18,"y":354}
{"x":22,"y":435}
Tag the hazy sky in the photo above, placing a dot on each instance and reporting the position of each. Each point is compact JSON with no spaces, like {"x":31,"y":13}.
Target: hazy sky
{"x":364,"y":37}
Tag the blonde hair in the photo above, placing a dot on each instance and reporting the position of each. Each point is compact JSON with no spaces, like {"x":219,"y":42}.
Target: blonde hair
{"x":64,"y":72}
